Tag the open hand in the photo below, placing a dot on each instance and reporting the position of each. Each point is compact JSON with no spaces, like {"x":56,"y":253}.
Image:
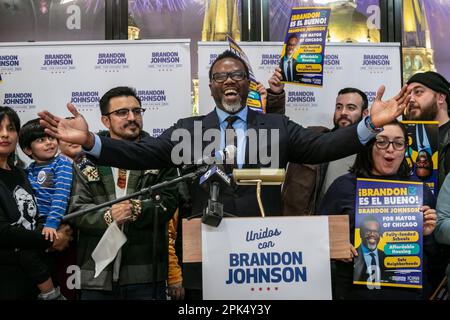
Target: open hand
{"x":69,"y":130}
{"x":384,"y":112}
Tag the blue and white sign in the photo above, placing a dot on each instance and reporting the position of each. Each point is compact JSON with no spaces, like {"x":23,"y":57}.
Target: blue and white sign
{"x":267,"y":258}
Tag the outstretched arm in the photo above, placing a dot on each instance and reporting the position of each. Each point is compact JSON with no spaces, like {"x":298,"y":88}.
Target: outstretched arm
{"x":69,"y":130}
{"x":384,"y":112}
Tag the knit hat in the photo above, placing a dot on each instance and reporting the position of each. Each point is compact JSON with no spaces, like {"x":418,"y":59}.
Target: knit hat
{"x":434,"y":81}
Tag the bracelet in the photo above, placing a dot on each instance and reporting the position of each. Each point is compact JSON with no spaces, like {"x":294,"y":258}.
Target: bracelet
{"x":107,"y":216}
{"x":369,"y":124}
{"x":136,"y":207}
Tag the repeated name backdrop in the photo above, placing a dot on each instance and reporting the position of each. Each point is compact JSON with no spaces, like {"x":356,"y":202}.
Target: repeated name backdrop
{"x":47,"y":75}
{"x":364,"y":66}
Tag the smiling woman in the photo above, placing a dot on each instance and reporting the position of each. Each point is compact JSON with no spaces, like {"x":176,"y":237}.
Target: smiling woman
{"x":382,"y":158}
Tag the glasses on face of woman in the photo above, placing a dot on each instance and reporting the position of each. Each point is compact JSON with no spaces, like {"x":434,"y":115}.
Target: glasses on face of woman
{"x":398,"y":144}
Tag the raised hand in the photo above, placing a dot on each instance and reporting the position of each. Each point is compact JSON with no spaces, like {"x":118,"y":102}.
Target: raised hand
{"x":69,"y":130}
{"x":262,"y":91}
{"x":384,"y":112}
{"x":275,"y":84}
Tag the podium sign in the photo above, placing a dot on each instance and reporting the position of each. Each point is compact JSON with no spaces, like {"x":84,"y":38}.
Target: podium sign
{"x":270,"y":258}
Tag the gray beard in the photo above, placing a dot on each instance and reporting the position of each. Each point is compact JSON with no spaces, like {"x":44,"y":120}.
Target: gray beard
{"x":372,"y":247}
{"x":232,"y":108}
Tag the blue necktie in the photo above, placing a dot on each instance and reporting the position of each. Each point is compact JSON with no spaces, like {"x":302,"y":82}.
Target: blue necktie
{"x":231,"y":139}
{"x":289,"y":75}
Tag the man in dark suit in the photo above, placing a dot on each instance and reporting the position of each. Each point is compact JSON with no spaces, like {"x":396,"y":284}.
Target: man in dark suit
{"x":284,"y":140}
{"x":288,"y":63}
{"x":369,"y":264}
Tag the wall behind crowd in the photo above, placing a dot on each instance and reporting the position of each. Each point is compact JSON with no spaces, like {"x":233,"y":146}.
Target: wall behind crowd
{"x":364,"y":66}
{"x":38,"y":76}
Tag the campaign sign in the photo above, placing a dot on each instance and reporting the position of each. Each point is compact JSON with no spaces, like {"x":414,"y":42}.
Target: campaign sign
{"x":267,"y":258}
{"x":388,"y":233}
{"x":303,"y":51}
{"x":254,"y":99}
{"x":422,"y":151}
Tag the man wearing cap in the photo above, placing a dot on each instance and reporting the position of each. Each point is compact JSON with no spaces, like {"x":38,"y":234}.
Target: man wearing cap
{"x":430,"y":98}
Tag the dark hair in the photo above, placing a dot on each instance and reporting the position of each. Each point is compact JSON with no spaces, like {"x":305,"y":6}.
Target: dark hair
{"x":291,"y":36}
{"x":15,"y":121}
{"x":357,"y":91}
{"x":12,"y":116}
{"x":228,"y":54}
{"x":116,"y":92}
{"x":367,"y":219}
{"x":30,"y":131}
{"x":364,"y":163}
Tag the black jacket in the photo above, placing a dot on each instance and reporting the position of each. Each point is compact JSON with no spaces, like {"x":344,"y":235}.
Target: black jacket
{"x":15,"y":281}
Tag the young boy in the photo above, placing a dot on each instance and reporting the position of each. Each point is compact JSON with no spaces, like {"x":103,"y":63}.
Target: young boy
{"x":50,"y":176}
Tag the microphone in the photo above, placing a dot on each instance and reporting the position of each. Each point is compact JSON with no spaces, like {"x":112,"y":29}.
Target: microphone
{"x":219,"y":157}
{"x":215,"y":175}
{"x":214,"y":179}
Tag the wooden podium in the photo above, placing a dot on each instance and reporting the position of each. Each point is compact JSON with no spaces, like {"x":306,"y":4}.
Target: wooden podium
{"x":338,"y":227}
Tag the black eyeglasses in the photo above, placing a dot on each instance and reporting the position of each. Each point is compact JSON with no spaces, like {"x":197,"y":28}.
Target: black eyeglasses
{"x":398,"y":144}
{"x":123,"y":113}
{"x":223,"y":76}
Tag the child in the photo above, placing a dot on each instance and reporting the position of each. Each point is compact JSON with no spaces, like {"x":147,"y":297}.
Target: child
{"x":50,"y":176}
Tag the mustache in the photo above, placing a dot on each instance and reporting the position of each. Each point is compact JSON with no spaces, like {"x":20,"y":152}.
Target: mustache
{"x":413,"y":105}
{"x":132,"y":122}
{"x":343,"y":118}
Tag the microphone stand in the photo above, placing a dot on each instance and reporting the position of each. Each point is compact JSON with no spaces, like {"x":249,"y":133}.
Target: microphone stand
{"x":201,"y":170}
{"x":157,"y":199}
{"x":213,"y":212}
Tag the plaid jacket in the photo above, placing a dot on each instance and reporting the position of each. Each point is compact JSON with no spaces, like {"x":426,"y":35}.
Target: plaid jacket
{"x":95,"y":185}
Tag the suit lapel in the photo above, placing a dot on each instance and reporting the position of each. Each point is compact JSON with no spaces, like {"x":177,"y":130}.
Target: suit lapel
{"x":210,"y":121}
{"x":254,"y":122}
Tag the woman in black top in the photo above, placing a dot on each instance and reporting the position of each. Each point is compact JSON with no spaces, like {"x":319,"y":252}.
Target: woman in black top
{"x":382,"y":158}
{"x":20,"y":235}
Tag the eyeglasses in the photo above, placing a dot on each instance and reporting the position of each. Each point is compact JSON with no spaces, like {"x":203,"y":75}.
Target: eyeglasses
{"x":123,"y":113}
{"x":221,"y":77}
{"x":370,"y":232}
{"x":398,"y":144}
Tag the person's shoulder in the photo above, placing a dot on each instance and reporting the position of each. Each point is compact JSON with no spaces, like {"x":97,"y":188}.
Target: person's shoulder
{"x":189,"y":122}
{"x":348,"y":178}
{"x":19,"y":171}
{"x":62,"y":158}
{"x":87,"y":168}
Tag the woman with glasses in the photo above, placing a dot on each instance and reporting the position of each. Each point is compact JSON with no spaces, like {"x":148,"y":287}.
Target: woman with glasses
{"x":382,"y":158}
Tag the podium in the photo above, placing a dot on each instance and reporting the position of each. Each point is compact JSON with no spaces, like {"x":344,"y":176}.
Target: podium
{"x":271,"y":258}
{"x":338,"y":233}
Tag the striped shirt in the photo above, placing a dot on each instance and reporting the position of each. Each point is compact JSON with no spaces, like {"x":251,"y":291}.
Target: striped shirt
{"x":52,"y":184}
